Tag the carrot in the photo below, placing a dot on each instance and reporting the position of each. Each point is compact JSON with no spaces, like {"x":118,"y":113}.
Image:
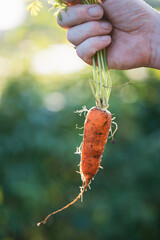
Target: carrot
{"x":96,"y":130}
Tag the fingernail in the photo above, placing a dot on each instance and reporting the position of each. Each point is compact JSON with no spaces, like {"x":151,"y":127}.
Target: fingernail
{"x":95,"y":11}
{"x":104,"y":38}
{"x":104,"y":26}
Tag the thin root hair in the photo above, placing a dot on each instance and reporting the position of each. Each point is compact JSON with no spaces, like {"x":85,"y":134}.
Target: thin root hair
{"x":79,"y":127}
{"x":83,"y":110}
{"x":116,"y":128}
{"x":65,"y":207}
{"x":118,"y":86}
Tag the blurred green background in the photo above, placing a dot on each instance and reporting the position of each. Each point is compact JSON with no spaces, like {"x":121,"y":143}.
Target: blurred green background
{"x":40,"y":88}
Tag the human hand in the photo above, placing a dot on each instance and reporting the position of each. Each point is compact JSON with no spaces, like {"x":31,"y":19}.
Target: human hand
{"x":135,"y":35}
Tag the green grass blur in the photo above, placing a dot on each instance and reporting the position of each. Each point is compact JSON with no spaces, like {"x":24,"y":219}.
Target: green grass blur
{"x":37,"y":161}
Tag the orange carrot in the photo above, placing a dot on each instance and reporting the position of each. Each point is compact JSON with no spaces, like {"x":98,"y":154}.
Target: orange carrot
{"x":96,"y":130}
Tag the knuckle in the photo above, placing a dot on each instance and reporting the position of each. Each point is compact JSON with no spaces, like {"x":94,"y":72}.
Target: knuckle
{"x":93,"y":26}
{"x":93,"y":43}
{"x":89,"y":61}
{"x":101,"y":13}
{"x":79,"y":53}
{"x":110,"y":27}
{"x":80,"y":11}
{"x":84,"y":54}
{"x":85,"y":59}
{"x":70,"y":35}
{"x":93,"y":46}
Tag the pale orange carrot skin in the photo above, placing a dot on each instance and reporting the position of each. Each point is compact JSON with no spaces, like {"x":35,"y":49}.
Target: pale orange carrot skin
{"x":96,"y":130}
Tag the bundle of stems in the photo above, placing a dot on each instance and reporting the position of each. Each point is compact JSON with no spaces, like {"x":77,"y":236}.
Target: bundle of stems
{"x":101,"y":84}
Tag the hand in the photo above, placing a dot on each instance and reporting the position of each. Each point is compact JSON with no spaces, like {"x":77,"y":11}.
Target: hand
{"x":128,"y":30}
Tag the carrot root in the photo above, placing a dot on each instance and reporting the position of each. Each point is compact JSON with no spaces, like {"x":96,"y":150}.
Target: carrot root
{"x":63,"y":208}
{"x":96,"y":129}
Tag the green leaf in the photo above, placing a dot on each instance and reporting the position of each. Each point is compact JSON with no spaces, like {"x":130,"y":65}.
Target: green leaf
{"x":59,"y":16}
{"x":65,"y":9}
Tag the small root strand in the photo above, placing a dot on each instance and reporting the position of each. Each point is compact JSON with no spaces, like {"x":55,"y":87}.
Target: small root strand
{"x":121,"y":85}
{"x":68,"y":205}
{"x":83,"y":110}
{"x":79,"y":127}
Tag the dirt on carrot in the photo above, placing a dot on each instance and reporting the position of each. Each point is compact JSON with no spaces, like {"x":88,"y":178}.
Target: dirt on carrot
{"x":96,"y":130}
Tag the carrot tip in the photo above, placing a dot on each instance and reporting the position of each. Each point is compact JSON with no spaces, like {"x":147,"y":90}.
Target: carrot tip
{"x":38,"y":224}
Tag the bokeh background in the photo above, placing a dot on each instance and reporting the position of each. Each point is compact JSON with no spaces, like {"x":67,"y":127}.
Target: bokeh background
{"x":42,"y":83}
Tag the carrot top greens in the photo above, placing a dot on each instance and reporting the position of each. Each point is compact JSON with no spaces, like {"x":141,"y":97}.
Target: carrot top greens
{"x":101,"y":84}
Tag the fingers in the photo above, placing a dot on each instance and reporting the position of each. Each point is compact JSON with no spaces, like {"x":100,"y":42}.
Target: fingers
{"x":80,"y":33}
{"x":86,"y":32}
{"x":87,"y":49}
{"x":78,"y":14}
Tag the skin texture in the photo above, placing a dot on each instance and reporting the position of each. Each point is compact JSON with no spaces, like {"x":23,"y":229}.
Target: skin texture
{"x":96,"y":130}
{"x":129,"y":29}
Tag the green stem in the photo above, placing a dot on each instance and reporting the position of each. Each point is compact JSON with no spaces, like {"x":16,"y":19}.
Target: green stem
{"x":95,"y":78}
{"x":105,"y":91}
{"x":101,"y":77}
{"x":107,"y":73}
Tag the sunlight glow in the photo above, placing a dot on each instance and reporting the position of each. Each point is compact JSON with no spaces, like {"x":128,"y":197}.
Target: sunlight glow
{"x":12,"y":14}
{"x":5,"y":67}
{"x":138,"y":74}
{"x":60,"y":59}
{"x":54,"y":102}
{"x":129,"y":94}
